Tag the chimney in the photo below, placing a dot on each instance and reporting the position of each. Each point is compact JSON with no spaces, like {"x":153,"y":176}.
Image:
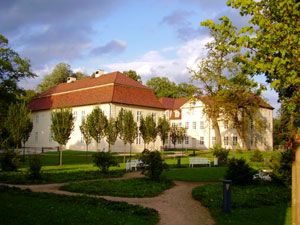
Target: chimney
{"x":99,"y":73}
{"x":71,"y":79}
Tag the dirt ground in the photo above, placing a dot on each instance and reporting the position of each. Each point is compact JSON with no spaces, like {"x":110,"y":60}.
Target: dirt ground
{"x":175,"y":206}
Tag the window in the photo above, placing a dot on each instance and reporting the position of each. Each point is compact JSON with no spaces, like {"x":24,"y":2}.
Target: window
{"x":226,"y":140}
{"x":82,"y":115}
{"x":50,"y":137}
{"x":213,"y":140}
{"x":201,"y":141}
{"x":186,"y":140}
{"x":37,"y":118}
{"x":179,"y":124}
{"x":154,"y":117}
{"x":187,"y":125}
{"x":234,"y":141}
{"x":177,"y":113}
{"x":194,"y":125}
{"x":167,"y":114}
{"x":36,"y":137}
{"x":138,"y":140}
{"x":75,"y":115}
{"x":42,"y":117}
{"x":138,"y":116}
{"x":226,"y":124}
{"x":179,"y":141}
{"x":201,"y":124}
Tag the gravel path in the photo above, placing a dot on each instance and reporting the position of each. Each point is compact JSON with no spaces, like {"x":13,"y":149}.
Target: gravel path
{"x":175,"y":206}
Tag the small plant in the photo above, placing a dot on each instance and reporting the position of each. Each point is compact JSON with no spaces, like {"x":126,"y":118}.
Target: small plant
{"x":240,"y":172}
{"x":282,"y":168}
{"x":104,"y":160}
{"x":9,"y":160}
{"x":221,"y":154}
{"x":155,"y":164}
{"x":35,"y":166}
{"x":256,"y":156}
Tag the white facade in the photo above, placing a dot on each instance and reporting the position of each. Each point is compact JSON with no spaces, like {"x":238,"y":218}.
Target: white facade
{"x":201,"y":135}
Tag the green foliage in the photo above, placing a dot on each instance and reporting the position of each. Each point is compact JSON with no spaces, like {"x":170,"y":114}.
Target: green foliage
{"x":9,"y":160}
{"x":282,"y":168}
{"x":155,"y":164}
{"x":163,"y":87}
{"x":35,"y":166}
{"x":130,"y":127}
{"x":121,"y":126}
{"x":257,"y":156}
{"x":274,"y":49}
{"x":18,"y":123}
{"x":56,"y":209}
{"x":60,"y":74}
{"x":133,"y":75}
{"x":97,"y":122}
{"x":104,"y":160}
{"x":84,"y":129}
{"x":111,"y":132}
{"x":221,"y":154}
{"x":148,"y":129}
{"x":240,"y":172}
{"x":163,"y":128}
{"x":174,"y":134}
{"x":133,"y":187}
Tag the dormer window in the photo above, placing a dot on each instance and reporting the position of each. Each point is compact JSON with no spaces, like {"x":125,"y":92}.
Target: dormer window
{"x":177,"y":113}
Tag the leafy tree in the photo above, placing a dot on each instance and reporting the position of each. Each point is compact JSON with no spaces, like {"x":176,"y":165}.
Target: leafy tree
{"x":12,"y":69}
{"x":163,"y":128}
{"x":84,"y":129}
{"x":60,"y":74}
{"x":133,"y":75}
{"x":130,"y":128}
{"x":27,"y":95}
{"x":111,"y":132}
{"x":174,"y":134}
{"x":97,"y":123}
{"x":144,"y":131}
{"x":163,"y":87}
{"x":182,"y":134}
{"x":151,"y":128}
{"x":104,"y":160}
{"x":122,"y":129}
{"x":61,"y":127}
{"x":18,"y":123}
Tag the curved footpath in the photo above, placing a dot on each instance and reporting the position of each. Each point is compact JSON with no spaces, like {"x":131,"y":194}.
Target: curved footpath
{"x":175,"y":205}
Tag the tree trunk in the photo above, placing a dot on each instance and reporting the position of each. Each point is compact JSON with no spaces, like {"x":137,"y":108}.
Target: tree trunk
{"x":60,"y":155}
{"x":217,"y":132}
{"x":86,"y":154}
{"x":296,"y":181}
{"x":124,"y":153}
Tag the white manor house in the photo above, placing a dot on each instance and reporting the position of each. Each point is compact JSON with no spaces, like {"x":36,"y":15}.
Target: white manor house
{"x":114,"y":91}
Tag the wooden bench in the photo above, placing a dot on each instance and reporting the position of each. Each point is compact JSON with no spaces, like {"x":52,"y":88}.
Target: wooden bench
{"x":199,"y":161}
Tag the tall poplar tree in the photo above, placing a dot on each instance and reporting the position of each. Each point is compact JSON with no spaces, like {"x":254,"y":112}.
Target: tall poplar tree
{"x":121,"y":129}
{"x":163,"y":128}
{"x":61,"y":127}
{"x":111,"y":132}
{"x":86,"y":135}
{"x":130,"y":128}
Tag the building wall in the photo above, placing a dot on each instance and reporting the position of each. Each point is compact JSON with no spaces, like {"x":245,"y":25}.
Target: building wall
{"x":41,"y":134}
{"x":201,"y":135}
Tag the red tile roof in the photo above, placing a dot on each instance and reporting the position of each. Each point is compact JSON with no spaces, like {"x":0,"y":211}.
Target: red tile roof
{"x":113,"y":87}
{"x":172,"y":103}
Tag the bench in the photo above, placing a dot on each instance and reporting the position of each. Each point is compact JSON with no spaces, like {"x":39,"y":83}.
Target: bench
{"x":134,"y":163}
{"x":199,"y":161}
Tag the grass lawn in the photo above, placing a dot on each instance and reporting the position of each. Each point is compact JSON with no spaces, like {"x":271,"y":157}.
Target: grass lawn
{"x":26,"y":207}
{"x":134,"y":187}
{"x":262,"y":204}
{"x":197,"y":174}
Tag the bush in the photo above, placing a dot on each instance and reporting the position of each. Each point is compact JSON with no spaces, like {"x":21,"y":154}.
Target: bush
{"x":221,"y":154}
{"x":9,"y":160}
{"x":256,"y":156}
{"x":240,"y":172}
{"x":155,"y":164}
{"x":282,"y":168}
{"x":104,"y":160}
{"x":35,"y":166}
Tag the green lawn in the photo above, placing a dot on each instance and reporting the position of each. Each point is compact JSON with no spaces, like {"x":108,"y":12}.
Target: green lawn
{"x":254,"y":204}
{"x":18,"y":207}
{"x":134,"y":187}
{"x":197,"y":174}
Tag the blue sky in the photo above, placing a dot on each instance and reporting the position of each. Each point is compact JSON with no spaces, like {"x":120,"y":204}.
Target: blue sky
{"x":153,"y":37}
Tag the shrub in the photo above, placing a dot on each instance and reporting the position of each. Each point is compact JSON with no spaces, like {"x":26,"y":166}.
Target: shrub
{"x":155,"y":164}
{"x":104,"y":160}
{"x":257,"y":156}
{"x":282,"y":168}
{"x":35,"y":166}
{"x":221,"y":154}
{"x":9,"y":160}
{"x":240,"y":172}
